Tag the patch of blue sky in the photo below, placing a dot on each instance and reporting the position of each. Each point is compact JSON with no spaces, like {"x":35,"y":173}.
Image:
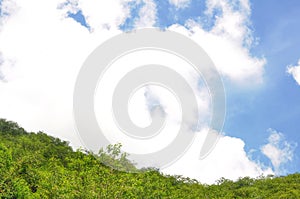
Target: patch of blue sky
{"x":80,"y":18}
{"x":236,"y":5}
{"x":75,"y":13}
{"x":135,"y":8}
{"x":276,"y":103}
{"x":168,"y":14}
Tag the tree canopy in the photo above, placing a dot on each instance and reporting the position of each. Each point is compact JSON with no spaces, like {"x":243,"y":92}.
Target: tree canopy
{"x":35,"y":165}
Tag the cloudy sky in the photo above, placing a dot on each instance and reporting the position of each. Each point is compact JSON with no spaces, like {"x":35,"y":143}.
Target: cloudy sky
{"x":254,"y":44}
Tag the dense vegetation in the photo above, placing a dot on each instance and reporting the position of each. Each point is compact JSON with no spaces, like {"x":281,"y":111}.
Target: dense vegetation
{"x":35,"y":165}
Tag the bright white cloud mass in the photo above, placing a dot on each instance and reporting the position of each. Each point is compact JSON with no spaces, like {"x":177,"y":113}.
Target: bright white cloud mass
{"x":228,"y":159}
{"x":295,"y":72}
{"x":42,"y":50}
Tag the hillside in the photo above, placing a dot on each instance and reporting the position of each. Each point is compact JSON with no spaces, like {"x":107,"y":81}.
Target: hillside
{"x":35,"y":165}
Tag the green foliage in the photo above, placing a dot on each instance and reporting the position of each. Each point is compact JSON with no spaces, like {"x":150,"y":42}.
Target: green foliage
{"x":35,"y":165}
{"x":113,"y":157}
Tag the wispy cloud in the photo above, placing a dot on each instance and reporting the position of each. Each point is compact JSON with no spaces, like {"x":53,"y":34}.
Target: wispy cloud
{"x":180,"y":3}
{"x":278,"y":150}
{"x":147,"y":15}
{"x":294,"y":71}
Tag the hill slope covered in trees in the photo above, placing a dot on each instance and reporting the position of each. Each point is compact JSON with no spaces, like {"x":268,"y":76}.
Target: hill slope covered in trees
{"x":35,"y":165}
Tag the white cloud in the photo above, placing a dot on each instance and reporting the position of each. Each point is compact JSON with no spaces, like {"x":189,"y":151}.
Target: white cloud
{"x":228,"y":160}
{"x":229,"y":41}
{"x":180,"y":3}
{"x":6,"y":68}
{"x":46,"y":51}
{"x":147,"y":15}
{"x":231,"y":58}
{"x":295,"y":71}
{"x":8,"y":7}
{"x":103,"y":14}
{"x":159,"y":94}
{"x":233,"y":20}
{"x":278,"y":150}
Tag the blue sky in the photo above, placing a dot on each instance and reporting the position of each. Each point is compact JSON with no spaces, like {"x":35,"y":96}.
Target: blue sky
{"x":254,"y":110}
{"x":276,"y":103}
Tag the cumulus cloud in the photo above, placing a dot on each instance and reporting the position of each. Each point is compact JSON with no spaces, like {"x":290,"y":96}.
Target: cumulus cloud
{"x":42,"y":54}
{"x":229,"y":40}
{"x":42,"y":51}
{"x":295,"y":71}
{"x":228,"y":159}
{"x":278,"y":150}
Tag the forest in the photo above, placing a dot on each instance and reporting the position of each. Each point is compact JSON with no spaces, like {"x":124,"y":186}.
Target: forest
{"x":35,"y":165}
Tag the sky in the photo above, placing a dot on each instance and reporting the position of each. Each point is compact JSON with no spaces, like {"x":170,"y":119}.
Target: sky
{"x":254,"y":44}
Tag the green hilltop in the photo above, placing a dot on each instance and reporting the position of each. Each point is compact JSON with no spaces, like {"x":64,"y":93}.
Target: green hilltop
{"x":35,"y":165}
